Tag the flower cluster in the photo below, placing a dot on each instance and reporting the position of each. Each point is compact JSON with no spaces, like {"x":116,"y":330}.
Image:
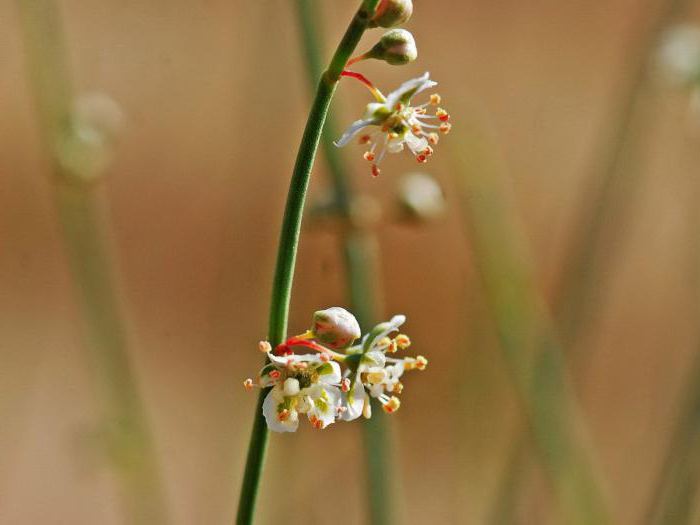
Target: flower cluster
{"x":327,"y":384}
{"x":399,"y":124}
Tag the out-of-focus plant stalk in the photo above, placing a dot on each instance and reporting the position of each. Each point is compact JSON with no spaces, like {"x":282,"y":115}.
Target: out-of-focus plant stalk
{"x":602,"y":209}
{"x":526,"y":337}
{"x":674,"y":497}
{"x":289,"y":240}
{"x":129,"y":441}
{"x":602,"y":215}
{"x":360,"y":258}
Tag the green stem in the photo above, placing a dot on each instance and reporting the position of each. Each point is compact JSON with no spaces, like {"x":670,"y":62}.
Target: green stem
{"x":129,"y":442}
{"x":360,"y":261}
{"x":527,"y":340}
{"x":602,"y":216}
{"x":289,"y":240}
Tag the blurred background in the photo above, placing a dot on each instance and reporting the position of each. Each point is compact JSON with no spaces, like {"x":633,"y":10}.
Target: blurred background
{"x":214,"y":97}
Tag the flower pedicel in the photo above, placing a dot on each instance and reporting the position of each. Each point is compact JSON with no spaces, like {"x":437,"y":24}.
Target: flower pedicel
{"x":315,"y":384}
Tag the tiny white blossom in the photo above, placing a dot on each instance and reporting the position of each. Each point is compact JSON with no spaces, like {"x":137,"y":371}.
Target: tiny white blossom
{"x":400,"y":124}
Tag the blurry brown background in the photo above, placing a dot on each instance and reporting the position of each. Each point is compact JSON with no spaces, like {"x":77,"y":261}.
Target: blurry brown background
{"x":215,"y":97}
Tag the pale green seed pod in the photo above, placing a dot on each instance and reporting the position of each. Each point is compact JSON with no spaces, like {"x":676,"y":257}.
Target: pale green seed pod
{"x":335,"y":327}
{"x":392,"y":13}
{"x":397,"y":47}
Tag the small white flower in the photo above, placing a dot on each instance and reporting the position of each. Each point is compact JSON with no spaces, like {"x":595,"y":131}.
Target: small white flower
{"x":301,"y":384}
{"x":400,"y":124}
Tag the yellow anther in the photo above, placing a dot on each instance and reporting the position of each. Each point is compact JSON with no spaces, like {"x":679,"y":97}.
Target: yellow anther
{"x":248,"y":384}
{"x":445,"y":127}
{"x":264,"y":347}
{"x":403,"y":341}
{"x":393,"y":347}
{"x":433,"y":138}
{"x":392,"y":405}
{"x":398,"y":387}
{"x":435,"y":99}
{"x":368,"y":156}
{"x":421,"y":362}
{"x":376,"y":377}
{"x":409,"y":363}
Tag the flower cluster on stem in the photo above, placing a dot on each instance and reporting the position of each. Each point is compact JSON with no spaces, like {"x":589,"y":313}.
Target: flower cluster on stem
{"x":337,"y":373}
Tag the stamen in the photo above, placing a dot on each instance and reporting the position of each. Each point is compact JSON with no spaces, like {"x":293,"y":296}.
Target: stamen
{"x":264,"y":347}
{"x":248,"y":384}
{"x":324,"y":357}
{"x":433,"y":138}
{"x":345,"y":384}
{"x":416,"y":128}
{"x":421,"y":362}
{"x":375,"y":171}
{"x":398,"y":387}
{"x":422,"y":158}
{"x":392,"y":405}
{"x":435,"y":99}
{"x":283,"y":415}
{"x":316,"y":423}
{"x":275,"y":374}
{"x":428,"y":151}
{"x":365,"y":139}
{"x":442,"y":115}
{"x":445,"y":127}
{"x":369,"y":156}
{"x":403,"y":341}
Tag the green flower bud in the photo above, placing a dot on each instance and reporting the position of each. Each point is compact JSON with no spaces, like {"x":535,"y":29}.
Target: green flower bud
{"x":392,"y":13}
{"x":397,"y":47}
{"x":335,"y":327}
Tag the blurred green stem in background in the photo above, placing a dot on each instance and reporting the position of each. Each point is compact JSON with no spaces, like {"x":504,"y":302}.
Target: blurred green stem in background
{"x":361,"y":274}
{"x":675,"y":494}
{"x":526,"y":337}
{"x":289,"y":240}
{"x":674,"y":498}
{"x":129,"y":442}
{"x":603,"y":214}
{"x":603,"y":209}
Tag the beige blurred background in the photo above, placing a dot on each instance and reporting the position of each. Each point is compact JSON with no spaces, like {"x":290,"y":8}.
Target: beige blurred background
{"x":215,"y":97}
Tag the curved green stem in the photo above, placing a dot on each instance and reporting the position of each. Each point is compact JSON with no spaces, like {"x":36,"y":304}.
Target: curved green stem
{"x":360,"y":261}
{"x":289,"y":240}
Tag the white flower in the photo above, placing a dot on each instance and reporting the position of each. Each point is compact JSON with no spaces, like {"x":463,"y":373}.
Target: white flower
{"x":400,"y":124}
{"x":301,"y":384}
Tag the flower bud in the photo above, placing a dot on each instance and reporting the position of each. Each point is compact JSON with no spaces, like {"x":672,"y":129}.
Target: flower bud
{"x":421,"y":197}
{"x":397,"y":47}
{"x":335,"y":327}
{"x":392,"y":13}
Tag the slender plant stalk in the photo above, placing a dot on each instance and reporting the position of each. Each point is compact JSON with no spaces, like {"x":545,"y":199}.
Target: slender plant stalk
{"x":527,"y":340}
{"x":289,"y":240}
{"x":674,"y":499}
{"x":602,"y":216}
{"x":129,"y":442}
{"x":360,"y":273}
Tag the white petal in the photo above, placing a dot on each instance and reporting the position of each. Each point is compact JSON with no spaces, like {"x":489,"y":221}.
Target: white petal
{"x":353,"y":402}
{"x":353,"y":130}
{"x":415,"y":144}
{"x":373,"y":358}
{"x":326,"y":413}
{"x":333,"y":377}
{"x":390,"y":326}
{"x":270,"y":412}
{"x":409,"y":88}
